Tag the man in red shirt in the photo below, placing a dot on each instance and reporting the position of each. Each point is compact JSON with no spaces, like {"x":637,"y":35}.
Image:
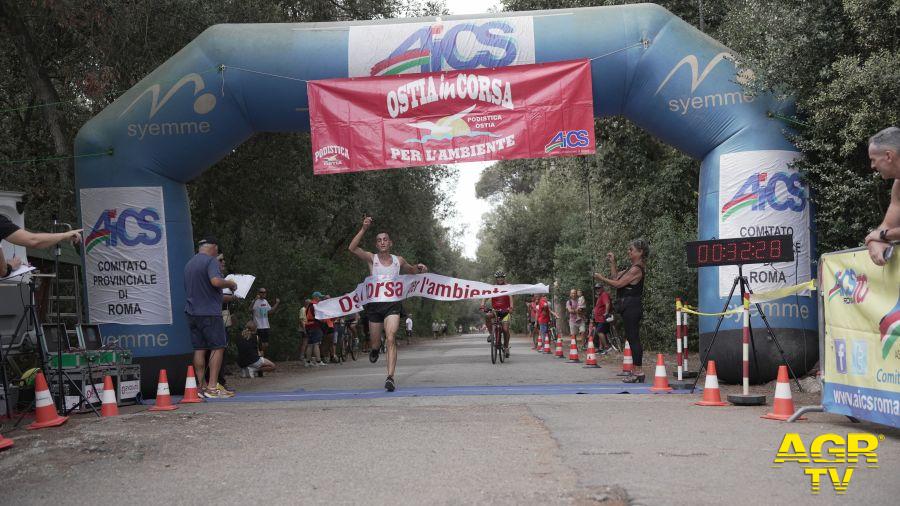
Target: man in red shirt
{"x":503,"y":307}
{"x":601,"y":312}
{"x":543,"y":316}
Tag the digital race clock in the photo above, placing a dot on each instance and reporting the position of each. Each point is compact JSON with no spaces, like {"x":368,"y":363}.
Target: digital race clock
{"x":749,"y":250}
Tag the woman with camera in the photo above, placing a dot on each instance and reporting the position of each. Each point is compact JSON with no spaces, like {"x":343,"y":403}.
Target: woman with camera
{"x":630,"y":289}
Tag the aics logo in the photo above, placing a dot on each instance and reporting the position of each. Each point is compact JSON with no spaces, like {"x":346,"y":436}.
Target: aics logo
{"x":129,"y":227}
{"x":203,"y":104}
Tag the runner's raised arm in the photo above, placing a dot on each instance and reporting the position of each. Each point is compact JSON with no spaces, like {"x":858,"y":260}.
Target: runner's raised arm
{"x":354,"y":244}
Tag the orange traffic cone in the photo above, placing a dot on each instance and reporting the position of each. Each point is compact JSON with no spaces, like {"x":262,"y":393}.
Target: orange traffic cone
{"x":5,"y":443}
{"x":163,"y":399}
{"x":711,"y":395}
{"x":190,"y":388}
{"x":109,"y":407}
{"x":660,"y":380}
{"x":627,"y":361}
{"x":547,"y":345}
{"x":44,"y":411}
{"x":559,"y":352}
{"x":573,"y":352}
{"x":784,"y":404}
{"x":540,"y":343}
{"x":591,"y":359}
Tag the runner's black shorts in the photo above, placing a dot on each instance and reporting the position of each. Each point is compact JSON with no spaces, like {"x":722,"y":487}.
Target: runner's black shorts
{"x":376,"y":312}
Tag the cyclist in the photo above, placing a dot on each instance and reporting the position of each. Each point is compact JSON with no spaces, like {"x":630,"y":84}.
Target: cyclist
{"x":503,"y":307}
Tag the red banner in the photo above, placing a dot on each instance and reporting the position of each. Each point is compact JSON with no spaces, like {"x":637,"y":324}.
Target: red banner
{"x":522,"y":111}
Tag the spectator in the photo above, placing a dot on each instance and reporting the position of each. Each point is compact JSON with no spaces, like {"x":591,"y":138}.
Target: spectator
{"x":313,"y":332}
{"x":576,"y":322}
{"x":340,"y":328}
{"x":302,"y":328}
{"x":248,"y":353}
{"x":582,"y":313}
{"x":884,"y":154}
{"x":203,"y":284}
{"x":435,"y":329}
{"x":228,"y":320}
{"x":11,"y":232}
{"x":409,"y":327}
{"x":602,"y":307}
{"x":630,"y":285}
{"x":261,"y":311}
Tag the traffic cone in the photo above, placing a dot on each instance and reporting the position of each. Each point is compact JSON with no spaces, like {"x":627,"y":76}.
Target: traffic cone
{"x":44,"y":411}
{"x":627,"y":361}
{"x":540,"y":343}
{"x":5,"y":443}
{"x":573,"y":352}
{"x":109,"y":407}
{"x":547,"y":345}
{"x":591,"y":359}
{"x":711,"y":395}
{"x":163,"y":399}
{"x":190,"y":388}
{"x":660,"y":380}
{"x":784,"y":404}
{"x":559,"y":351}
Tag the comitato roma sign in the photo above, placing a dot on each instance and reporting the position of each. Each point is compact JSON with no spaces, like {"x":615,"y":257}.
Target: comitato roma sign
{"x":523,"y":111}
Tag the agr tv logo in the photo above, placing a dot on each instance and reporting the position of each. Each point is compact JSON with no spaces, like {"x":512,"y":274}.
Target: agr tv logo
{"x":830,"y":457}
{"x":112,"y":228}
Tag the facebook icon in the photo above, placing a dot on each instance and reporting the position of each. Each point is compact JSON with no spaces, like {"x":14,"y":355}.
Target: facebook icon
{"x":840,"y":355}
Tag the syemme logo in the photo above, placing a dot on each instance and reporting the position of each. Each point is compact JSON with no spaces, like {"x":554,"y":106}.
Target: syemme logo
{"x":889,"y":326}
{"x":203,"y":104}
{"x":112,"y":227}
{"x":690,"y":102}
{"x":850,"y":286}
{"x":329,"y":155}
{"x":568,"y":139}
{"x":826,"y":454}
{"x":463,"y":46}
{"x":760,"y":191}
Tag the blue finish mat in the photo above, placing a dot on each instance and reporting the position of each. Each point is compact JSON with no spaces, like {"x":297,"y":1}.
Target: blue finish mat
{"x":329,"y":395}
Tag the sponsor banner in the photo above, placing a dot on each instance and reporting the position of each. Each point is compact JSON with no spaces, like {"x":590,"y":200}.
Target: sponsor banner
{"x":861,"y":369}
{"x":125,"y":255}
{"x":760,"y":195}
{"x":529,"y":111}
{"x":687,"y":76}
{"x":414,"y":48}
{"x":144,"y":124}
{"x":429,"y":286}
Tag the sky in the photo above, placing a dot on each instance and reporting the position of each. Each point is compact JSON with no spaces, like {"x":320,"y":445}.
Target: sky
{"x":468,"y":207}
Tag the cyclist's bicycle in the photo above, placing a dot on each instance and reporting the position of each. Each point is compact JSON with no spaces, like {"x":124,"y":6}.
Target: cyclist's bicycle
{"x":348,"y":345}
{"x":496,"y":334}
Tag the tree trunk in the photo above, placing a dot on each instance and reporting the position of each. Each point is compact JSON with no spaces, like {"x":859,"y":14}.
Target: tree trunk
{"x":15,"y":24}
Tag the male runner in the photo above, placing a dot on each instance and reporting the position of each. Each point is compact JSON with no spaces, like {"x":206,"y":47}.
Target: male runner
{"x":503,"y":305}
{"x":383,"y":316}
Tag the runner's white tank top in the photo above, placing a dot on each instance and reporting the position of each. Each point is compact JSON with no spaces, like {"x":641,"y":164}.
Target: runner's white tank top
{"x":382,"y":272}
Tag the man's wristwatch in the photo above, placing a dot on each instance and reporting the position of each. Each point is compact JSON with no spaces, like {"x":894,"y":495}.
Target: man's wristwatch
{"x":883,"y":234}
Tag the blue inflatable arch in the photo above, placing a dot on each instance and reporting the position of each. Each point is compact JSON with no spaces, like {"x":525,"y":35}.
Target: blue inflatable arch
{"x":653,"y":68}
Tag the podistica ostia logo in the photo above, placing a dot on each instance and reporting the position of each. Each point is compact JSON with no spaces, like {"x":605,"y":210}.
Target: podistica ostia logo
{"x":691,"y":102}
{"x":431,"y":49}
{"x":831,"y":457}
{"x":204,"y":102}
{"x":761,"y":191}
{"x":112,"y":228}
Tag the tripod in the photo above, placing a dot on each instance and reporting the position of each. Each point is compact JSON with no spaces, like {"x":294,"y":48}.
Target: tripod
{"x":745,"y":289}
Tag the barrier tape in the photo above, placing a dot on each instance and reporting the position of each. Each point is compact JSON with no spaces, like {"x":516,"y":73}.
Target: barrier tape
{"x":756,"y":298}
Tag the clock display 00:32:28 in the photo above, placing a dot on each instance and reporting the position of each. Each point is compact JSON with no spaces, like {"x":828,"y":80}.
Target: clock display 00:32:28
{"x":762,"y":250}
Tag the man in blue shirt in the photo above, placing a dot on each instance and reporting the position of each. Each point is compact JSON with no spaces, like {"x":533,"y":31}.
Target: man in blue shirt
{"x":203,"y":284}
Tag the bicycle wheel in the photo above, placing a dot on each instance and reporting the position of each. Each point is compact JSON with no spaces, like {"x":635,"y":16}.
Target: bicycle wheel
{"x":352,"y":346}
{"x":493,"y":347}
{"x":499,"y":347}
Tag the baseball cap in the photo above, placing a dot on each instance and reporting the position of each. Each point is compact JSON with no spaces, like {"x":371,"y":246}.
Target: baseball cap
{"x":208,"y":240}
{"x":317,"y":295}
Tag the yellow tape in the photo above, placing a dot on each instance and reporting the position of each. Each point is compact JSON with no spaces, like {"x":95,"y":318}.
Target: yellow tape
{"x":692,"y":310}
{"x":756,"y":298}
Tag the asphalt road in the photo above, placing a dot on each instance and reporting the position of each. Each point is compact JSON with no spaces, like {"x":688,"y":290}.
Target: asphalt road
{"x":551,"y":448}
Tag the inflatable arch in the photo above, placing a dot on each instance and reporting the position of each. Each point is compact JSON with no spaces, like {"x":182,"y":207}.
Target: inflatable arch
{"x":648,"y":65}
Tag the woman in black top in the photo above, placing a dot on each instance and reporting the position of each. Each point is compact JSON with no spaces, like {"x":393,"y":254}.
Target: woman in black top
{"x":630,"y":285}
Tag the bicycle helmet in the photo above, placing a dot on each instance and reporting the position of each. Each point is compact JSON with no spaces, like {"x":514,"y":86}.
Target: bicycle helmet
{"x":499,"y":274}
{"x":598,"y":285}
